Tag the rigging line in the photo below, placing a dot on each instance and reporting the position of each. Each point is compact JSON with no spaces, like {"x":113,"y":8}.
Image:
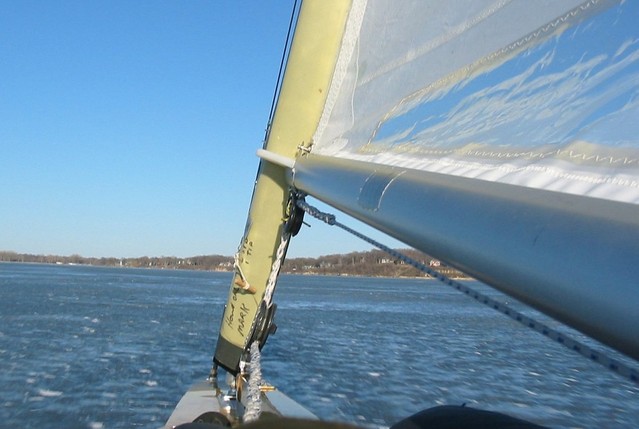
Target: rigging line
{"x":601,"y":358}
{"x":254,"y":402}
{"x":275,"y":268}
{"x":280,"y":73}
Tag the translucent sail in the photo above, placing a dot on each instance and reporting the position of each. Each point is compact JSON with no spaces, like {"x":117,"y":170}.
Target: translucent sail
{"x":541,"y":94}
{"x":500,"y":136}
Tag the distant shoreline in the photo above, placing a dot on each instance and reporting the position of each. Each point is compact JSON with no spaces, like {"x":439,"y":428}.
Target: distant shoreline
{"x":363,"y":276}
{"x":373,"y":263}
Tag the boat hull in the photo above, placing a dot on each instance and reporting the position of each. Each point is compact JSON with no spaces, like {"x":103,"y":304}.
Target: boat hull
{"x":209,"y":402}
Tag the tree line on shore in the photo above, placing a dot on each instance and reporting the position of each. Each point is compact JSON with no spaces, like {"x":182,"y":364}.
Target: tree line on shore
{"x":370,"y":263}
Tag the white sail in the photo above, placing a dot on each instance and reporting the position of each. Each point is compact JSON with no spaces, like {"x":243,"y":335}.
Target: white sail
{"x":541,"y":94}
{"x":501,"y":136}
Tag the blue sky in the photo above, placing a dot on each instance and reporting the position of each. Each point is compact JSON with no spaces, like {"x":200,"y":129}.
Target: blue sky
{"x":130,"y":128}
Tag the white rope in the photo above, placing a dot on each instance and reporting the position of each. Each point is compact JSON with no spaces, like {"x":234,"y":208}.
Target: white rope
{"x":254,"y":400}
{"x":275,"y":268}
{"x":236,"y":264}
{"x":254,"y":397}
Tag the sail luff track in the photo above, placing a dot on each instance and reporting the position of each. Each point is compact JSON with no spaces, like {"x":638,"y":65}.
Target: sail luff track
{"x":571,"y":257}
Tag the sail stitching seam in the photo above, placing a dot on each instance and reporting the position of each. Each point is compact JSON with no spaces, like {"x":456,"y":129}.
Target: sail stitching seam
{"x":601,"y":358}
{"x":531,"y":154}
{"x":432,"y":165}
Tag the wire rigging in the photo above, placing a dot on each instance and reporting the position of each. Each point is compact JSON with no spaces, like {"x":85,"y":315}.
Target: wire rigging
{"x":612,"y":364}
{"x":280,"y":74}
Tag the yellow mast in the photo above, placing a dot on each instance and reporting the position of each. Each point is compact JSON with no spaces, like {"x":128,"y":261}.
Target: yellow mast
{"x":301,"y":100}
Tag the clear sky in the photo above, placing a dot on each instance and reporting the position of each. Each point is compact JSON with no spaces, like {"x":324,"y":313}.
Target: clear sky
{"x":129,"y":128}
